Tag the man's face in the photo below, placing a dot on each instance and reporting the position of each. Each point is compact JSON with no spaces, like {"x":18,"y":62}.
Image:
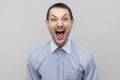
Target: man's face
{"x":59,"y":25}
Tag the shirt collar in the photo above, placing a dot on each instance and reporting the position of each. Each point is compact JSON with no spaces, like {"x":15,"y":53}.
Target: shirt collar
{"x":66,"y":47}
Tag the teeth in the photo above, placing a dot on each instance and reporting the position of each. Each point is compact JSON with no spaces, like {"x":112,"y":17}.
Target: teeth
{"x":59,"y":31}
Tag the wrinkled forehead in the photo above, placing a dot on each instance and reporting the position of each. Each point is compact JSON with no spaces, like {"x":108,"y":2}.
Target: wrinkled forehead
{"x":59,"y":12}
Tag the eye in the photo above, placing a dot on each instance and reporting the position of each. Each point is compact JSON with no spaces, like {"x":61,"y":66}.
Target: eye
{"x":65,"y":19}
{"x":53,"y":19}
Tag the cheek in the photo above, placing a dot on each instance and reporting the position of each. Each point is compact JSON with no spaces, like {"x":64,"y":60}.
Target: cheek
{"x":68,"y":25}
{"x":51,"y":30}
{"x":68,"y":28}
{"x":51,"y":26}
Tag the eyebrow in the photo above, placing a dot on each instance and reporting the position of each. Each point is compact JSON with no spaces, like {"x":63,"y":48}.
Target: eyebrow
{"x":62,"y":16}
{"x":65,"y":15}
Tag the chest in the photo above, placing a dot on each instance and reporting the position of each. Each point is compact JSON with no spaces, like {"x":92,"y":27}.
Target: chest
{"x":60,"y":67}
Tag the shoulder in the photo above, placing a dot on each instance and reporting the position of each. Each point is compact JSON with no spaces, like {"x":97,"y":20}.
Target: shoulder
{"x":79,"y":49}
{"x":84,"y":55}
{"x":41,"y":50}
{"x":37,"y":55}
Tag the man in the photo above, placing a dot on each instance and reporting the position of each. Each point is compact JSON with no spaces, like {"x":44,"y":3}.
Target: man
{"x":60,"y":58}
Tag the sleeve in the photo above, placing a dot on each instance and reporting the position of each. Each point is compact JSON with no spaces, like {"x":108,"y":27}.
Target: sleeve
{"x":90,"y":72}
{"x":32,"y":73}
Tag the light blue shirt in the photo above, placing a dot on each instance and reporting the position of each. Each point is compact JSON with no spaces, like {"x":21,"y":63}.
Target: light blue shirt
{"x":71,"y":62}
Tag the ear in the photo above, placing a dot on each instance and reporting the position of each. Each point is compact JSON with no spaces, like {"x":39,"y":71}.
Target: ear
{"x":47,"y":22}
{"x":72,"y":22}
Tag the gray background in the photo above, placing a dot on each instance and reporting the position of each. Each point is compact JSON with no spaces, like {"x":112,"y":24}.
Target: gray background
{"x":22,"y":28}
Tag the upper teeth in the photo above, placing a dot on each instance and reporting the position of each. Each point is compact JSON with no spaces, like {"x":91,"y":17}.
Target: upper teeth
{"x":60,"y":30}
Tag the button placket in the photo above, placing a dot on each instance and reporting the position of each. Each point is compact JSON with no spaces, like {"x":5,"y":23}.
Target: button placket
{"x":60,"y":65}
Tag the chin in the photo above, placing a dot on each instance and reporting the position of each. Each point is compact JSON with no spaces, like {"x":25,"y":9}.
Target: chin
{"x":60,"y":42}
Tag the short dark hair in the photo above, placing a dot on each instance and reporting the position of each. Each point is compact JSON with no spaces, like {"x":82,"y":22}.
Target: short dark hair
{"x":59,"y":5}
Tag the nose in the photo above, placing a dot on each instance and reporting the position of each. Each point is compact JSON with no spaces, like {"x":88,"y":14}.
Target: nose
{"x":59,"y":23}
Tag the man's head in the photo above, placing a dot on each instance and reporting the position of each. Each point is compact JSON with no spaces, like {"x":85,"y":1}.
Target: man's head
{"x":59,"y":21}
{"x":59,"y":5}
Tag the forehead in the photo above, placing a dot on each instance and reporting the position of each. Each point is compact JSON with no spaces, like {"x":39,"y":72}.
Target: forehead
{"x":58,"y":12}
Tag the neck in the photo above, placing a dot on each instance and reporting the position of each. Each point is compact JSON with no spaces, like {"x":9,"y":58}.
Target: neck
{"x":61,"y":44}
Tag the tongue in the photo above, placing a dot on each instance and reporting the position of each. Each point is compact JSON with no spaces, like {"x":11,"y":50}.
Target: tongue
{"x":60,"y":36}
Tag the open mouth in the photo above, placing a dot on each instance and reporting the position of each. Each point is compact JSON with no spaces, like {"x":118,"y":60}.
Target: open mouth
{"x":60,"y":34}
